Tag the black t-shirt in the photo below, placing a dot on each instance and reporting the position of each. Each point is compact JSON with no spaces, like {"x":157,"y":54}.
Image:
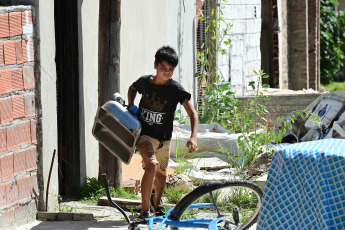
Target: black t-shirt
{"x":157,"y":106}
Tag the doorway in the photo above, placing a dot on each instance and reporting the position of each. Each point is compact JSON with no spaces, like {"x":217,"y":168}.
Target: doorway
{"x":67,"y":67}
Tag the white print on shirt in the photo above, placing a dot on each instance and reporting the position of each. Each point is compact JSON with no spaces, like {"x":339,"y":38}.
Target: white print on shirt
{"x":151,"y":117}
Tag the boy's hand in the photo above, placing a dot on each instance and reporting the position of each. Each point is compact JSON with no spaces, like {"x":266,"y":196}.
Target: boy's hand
{"x":191,"y":145}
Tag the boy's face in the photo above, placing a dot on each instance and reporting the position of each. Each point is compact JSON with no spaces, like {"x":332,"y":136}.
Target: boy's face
{"x":164,"y":71}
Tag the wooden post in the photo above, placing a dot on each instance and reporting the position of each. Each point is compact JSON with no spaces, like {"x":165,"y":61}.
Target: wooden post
{"x":109,"y":76}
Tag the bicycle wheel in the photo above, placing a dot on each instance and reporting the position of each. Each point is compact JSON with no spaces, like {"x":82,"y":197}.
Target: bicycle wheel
{"x":237,"y":201}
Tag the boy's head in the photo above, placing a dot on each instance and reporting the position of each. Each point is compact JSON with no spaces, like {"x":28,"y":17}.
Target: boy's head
{"x":168,"y":54}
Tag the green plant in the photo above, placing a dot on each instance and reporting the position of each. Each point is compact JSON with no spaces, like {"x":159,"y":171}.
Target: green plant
{"x":94,"y":189}
{"x":123,"y":193}
{"x":335,"y":86}
{"x":65,"y":208}
{"x":173,"y":194}
{"x":332,"y":40}
{"x":181,"y":118}
{"x":253,"y":128}
{"x":182,"y":157}
{"x":219,"y":104}
{"x":217,"y":38}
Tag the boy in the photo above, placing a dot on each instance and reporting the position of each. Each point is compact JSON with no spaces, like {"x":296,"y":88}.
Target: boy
{"x":160,"y":96}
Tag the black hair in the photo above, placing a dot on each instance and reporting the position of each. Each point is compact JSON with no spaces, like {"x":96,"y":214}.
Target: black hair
{"x":168,"y":54}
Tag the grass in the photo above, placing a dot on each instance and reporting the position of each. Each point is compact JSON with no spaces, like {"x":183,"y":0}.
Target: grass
{"x":173,"y":194}
{"x":335,"y":86}
{"x":93,"y":190}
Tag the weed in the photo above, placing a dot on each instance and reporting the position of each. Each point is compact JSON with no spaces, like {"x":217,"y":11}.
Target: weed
{"x":173,"y":194}
{"x":182,"y":156}
{"x":93,"y":190}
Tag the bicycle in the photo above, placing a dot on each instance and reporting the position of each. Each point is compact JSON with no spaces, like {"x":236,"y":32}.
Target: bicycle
{"x":233,"y":204}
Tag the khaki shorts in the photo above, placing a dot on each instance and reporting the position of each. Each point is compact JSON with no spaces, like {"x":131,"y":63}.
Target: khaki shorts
{"x":154,"y":151}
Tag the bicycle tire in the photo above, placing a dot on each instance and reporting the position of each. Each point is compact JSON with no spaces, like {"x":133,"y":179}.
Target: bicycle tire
{"x":223,"y":187}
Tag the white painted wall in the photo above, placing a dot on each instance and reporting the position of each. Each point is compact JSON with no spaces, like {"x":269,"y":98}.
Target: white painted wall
{"x":148,"y":25}
{"x":244,"y":55}
{"x":47,"y":68}
{"x":88,"y":12}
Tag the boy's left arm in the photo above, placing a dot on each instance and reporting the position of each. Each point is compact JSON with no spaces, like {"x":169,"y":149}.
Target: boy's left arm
{"x":191,"y":143}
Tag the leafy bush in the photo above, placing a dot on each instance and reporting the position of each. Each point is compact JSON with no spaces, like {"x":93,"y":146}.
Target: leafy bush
{"x":332,"y":41}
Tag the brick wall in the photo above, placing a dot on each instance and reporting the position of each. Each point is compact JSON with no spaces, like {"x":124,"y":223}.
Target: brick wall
{"x":298,"y":44}
{"x":244,"y":55}
{"x":283,"y":105}
{"x":313,"y":16}
{"x":18,"y":168}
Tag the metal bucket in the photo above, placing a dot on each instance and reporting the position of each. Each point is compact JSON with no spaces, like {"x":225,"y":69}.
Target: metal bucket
{"x":117,"y":130}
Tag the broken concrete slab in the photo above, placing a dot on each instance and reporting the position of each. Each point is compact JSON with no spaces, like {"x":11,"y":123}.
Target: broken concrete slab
{"x":64,"y":216}
{"x":83,"y":216}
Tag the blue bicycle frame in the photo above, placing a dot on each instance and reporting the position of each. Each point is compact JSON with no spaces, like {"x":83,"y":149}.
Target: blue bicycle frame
{"x":166,"y":220}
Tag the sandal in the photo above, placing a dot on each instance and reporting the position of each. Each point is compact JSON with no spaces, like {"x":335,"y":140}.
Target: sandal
{"x":159,"y":210}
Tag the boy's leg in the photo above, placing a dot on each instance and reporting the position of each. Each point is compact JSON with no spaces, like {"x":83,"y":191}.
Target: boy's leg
{"x":162,"y":155}
{"x":147,"y":147}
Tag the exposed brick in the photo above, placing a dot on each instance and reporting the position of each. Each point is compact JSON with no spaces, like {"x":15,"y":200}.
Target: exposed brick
{"x":28,"y":77}
{"x":31,"y":159}
{"x":28,"y":50}
{"x":17,"y":79}
{"x":3,"y":144}
{"x":24,"y":188}
{"x":15,"y":22}
{"x":9,"y":53}
{"x":4,"y":27}
{"x":18,"y":106}
{"x":33,"y":131}
{"x":24,"y":132}
{"x":5,"y":81}
{"x":2,"y":194}
{"x":29,"y":103}
{"x":6,"y":114}
{"x":33,"y":186}
{"x":26,"y":17}
{"x":11,"y":192}
{"x":19,"y":164}
{"x":19,"y":51}
{"x":7,"y":166}
{"x":25,"y":51}
{"x":2,"y":53}
{"x":13,"y":139}
{"x":31,"y":51}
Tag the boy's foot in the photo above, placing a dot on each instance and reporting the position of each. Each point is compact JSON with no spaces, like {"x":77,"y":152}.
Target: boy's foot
{"x":144,"y":216}
{"x":159,"y":210}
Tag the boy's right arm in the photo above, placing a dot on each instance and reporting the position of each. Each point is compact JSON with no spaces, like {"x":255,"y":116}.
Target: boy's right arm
{"x":132,"y":92}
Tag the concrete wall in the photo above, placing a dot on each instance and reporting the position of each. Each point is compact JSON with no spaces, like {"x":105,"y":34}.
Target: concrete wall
{"x":88,"y":11}
{"x":148,"y":25}
{"x":244,"y":54}
{"x":283,"y":45}
{"x":47,"y":115}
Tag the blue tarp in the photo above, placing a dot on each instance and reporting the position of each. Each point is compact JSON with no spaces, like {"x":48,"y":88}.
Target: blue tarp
{"x":305,"y":187}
